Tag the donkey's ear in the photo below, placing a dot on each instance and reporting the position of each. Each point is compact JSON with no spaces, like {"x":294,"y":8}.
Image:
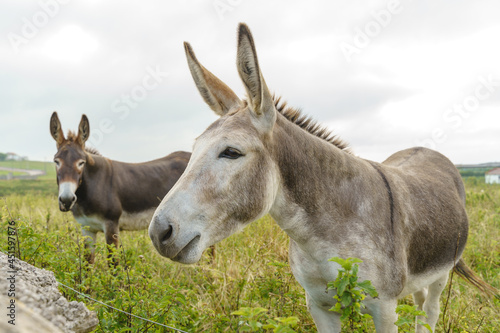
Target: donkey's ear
{"x":56,"y":129}
{"x":216,"y":93}
{"x":260,"y":98}
{"x":83,"y":130}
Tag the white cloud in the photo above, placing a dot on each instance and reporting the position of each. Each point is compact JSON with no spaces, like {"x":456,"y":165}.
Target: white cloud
{"x":70,"y":44}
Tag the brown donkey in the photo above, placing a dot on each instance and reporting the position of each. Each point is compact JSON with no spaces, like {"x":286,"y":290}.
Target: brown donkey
{"x":405,"y":217}
{"x":106,"y":195}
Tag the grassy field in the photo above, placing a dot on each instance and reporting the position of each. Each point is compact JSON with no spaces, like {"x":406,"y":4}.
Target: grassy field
{"x":43,"y":185}
{"x":28,"y":187}
{"x":48,"y":167}
{"x":250,"y":269}
{"x":14,"y":173}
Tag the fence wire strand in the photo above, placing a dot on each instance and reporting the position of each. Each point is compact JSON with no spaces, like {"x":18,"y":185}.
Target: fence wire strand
{"x":130,"y":314}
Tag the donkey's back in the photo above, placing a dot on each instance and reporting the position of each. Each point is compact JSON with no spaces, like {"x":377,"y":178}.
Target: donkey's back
{"x":429,"y":165}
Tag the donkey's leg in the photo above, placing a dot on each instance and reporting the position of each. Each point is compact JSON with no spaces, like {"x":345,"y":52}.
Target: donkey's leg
{"x":326,"y":321}
{"x":211,"y":253}
{"x":431,"y":305}
{"x":384,"y":314}
{"x":111,"y":233}
{"x":90,"y":237}
{"x":419,"y":299}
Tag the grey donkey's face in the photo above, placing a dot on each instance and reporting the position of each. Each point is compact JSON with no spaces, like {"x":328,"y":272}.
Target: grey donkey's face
{"x":231,"y":179}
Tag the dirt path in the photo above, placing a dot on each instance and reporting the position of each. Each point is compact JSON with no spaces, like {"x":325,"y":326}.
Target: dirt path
{"x":29,"y":172}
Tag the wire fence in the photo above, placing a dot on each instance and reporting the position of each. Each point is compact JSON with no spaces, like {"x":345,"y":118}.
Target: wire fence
{"x":102,"y":303}
{"x":127,"y":313}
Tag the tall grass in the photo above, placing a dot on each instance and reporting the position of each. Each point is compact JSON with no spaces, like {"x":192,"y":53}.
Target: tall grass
{"x":250,"y":269}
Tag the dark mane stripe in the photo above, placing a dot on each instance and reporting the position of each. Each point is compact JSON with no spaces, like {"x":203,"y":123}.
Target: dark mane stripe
{"x":295,"y":116}
{"x":92,"y":150}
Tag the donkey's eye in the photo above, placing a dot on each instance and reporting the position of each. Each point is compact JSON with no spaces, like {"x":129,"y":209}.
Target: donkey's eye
{"x":57,"y":162}
{"x":81,"y":164}
{"x":231,"y":153}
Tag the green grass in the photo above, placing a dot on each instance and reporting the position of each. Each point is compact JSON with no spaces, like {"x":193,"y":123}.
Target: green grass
{"x":43,"y":185}
{"x":28,"y":187}
{"x":250,"y":270}
{"x":14,"y":173}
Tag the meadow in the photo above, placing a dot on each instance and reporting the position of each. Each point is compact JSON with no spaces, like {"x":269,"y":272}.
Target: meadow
{"x":48,"y":167}
{"x":250,"y":269}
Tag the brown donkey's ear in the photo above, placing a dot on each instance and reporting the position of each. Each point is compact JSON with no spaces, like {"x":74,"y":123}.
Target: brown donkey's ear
{"x":83,"y":130}
{"x":219,"y":97}
{"x":56,"y":130}
{"x":261,"y":100}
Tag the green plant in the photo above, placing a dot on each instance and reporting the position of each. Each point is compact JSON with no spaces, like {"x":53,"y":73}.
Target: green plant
{"x":282,"y":325}
{"x":249,"y":318}
{"x":407,"y":314}
{"x":250,"y":322}
{"x":350,"y":293}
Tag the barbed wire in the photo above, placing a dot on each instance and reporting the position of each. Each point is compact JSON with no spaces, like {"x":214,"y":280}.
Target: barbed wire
{"x":130,"y":314}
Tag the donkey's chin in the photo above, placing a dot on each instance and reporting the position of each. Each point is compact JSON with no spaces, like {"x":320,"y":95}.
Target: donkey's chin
{"x":189,"y":254}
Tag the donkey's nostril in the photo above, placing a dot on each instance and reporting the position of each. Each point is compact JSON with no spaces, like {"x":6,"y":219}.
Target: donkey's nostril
{"x":67,"y":202}
{"x":166,"y":234}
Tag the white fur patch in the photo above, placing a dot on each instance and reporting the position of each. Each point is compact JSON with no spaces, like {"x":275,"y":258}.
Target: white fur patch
{"x":128,"y":221}
{"x":136,"y":221}
{"x":93,"y":223}
{"x":67,"y":189}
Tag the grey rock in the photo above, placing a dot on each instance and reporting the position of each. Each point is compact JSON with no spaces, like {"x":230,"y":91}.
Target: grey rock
{"x":40,"y":307}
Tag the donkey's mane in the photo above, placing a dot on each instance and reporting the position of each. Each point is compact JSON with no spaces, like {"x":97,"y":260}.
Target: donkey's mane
{"x":307,"y":123}
{"x":92,"y":150}
{"x":72,"y":136}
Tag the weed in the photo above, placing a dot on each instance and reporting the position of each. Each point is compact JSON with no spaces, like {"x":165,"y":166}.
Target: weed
{"x":250,"y":321}
{"x":408,"y":316}
{"x":350,"y":293}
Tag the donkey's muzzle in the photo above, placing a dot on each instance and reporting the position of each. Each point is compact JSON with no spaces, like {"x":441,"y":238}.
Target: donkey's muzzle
{"x":66,"y":202}
{"x":173,"y":243}
{"x":67,"y":196}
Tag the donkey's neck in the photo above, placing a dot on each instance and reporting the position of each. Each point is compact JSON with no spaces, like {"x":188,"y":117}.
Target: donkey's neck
{"x":95,"y":174}
{"x":321,"y":186}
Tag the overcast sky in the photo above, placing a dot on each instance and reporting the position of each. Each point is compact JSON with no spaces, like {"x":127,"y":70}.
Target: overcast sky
{"x":384,"y":75}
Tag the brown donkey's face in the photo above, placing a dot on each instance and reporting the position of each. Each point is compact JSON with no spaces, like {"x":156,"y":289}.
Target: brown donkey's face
{"x":231,"y":179}
{"x":70,"y":160}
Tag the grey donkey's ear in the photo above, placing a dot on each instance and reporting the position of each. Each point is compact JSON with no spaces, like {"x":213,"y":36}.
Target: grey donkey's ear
{"x":219,"y":97}
{"x":83,"y":130}
{"x":56,"y":129}
{"x":260,"y":98}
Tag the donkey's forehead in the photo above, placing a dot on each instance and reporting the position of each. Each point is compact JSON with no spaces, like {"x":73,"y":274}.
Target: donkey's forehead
{"x":233,"y":125}
{"x":70,"y":150}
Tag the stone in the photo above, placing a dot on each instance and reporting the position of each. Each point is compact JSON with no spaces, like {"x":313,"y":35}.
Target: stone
{"x":39,"y":306}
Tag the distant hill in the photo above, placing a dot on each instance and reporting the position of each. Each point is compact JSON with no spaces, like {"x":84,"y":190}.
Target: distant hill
{"x":476,"y":170}
{"x":489,"y":165}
